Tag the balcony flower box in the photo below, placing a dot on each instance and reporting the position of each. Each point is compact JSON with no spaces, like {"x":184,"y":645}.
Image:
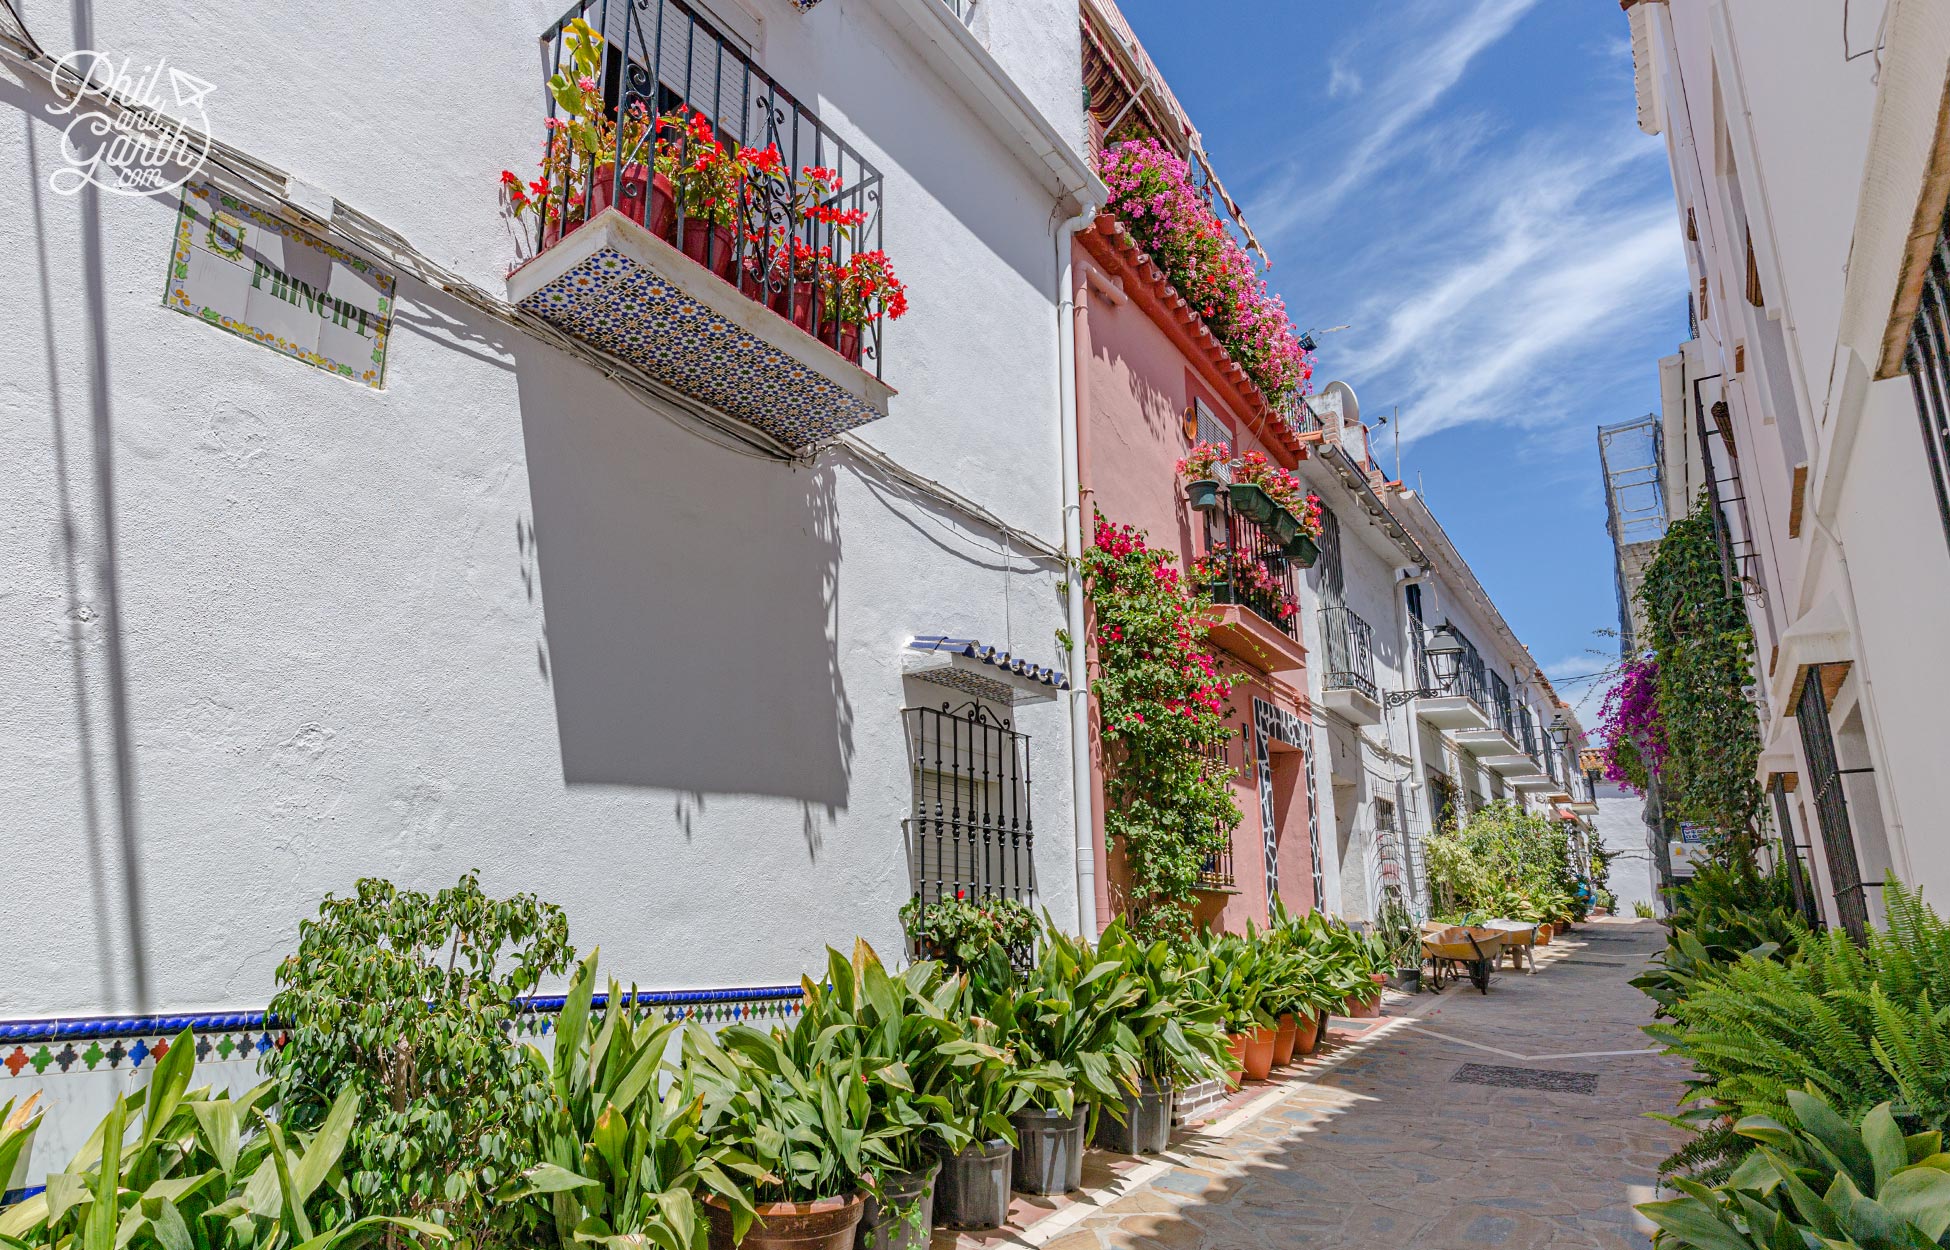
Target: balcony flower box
{"x":709,"y":264}
{"x":1249,"y":501}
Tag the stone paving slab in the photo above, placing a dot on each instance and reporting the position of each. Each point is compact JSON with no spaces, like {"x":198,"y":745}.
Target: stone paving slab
{"x":1376,"y":1146}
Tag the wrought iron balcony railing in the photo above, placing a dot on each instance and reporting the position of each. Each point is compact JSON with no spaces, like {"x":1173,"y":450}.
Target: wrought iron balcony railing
{"x":1502,"y":709}
{"x":1246,"y":564}
{"x":1349,"y":644}
{"x":962,"y":9}
{"x":682,"y":103}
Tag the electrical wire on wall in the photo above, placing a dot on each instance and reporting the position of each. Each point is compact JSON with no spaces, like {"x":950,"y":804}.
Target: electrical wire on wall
{"x":244,"y":174}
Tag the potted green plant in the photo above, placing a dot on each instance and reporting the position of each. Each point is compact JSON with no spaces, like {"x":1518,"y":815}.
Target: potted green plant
{"x":975,"y":1137}
{"x":798,"y":1131}
{"x":1179,"y":1034}
{"x":620,"y":1138}
{"x":958,"y":931}
{"x":1236,"y":969}
{"x":709,"y":182}
{"x":1199,"y":467}
{"x":910,"y":1046}
{"x":1065,"y":1023}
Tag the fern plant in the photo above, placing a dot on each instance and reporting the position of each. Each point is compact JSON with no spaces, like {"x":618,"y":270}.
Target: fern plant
{"x":1858,"y":1025}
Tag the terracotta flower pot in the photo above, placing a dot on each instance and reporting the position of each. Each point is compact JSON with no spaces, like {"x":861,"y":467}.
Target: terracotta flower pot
{"x":824,"y":1225}
{"x":1236,"y":1043}
{"x":715,"y":247}
{"x":1544,"y":934}
{"x":663,"y":209}
{"x":1283,"y":1041}
{"x":634,"y":191}
{"x":1259,"y":1054}
{"x":1359,"y":1008}
{"x":850,"y":342}
{"x":1306,"y":1035}
{"x":795,"y":301}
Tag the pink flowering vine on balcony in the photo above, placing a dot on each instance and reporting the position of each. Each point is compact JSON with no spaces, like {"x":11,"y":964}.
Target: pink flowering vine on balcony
{"x":1151,"y":192}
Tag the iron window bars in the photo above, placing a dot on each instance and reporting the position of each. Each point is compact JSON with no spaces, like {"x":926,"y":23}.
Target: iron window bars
{"x":1804,"y":893}
{"x":1252,"y":555}
{"x":1349,"y":643}
{"x":1831,"y":805}
{"x":1927,"y":361}
{"x":1215,"y":871}
{"x":786,"y":236}
{"x":970,"y":835}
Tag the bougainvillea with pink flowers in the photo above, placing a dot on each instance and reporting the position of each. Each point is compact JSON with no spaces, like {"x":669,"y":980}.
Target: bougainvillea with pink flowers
{"x":1629,"y":722}
{"x":1162,"y":706}
{"x":1152,"y":193}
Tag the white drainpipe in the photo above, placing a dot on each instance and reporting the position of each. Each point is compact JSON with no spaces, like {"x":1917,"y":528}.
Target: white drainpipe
{"x":1082,"y":783}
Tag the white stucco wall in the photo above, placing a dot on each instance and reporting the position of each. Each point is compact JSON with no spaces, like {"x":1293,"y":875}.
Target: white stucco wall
{"x":263,"y":632}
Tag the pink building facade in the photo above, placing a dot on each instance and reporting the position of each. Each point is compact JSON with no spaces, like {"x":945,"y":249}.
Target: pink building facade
{"x":1151,"y":380}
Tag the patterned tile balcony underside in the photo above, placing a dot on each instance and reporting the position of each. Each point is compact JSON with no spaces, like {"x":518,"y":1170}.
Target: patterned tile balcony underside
{"x":618,"y":287}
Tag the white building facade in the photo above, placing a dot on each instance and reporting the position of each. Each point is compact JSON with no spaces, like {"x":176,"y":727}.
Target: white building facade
{"x":1811,"y":168}
{"x":1399,"y":751}
{"x":588,"y":570}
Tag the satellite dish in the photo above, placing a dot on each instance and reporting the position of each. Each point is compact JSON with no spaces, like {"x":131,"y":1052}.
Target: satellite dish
{"x":1342,"y":398}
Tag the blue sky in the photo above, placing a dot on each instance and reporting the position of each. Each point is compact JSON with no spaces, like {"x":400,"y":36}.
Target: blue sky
{"x":1463,"y":183}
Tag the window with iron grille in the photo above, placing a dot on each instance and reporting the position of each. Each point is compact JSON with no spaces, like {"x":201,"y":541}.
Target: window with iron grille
{"x":970,"y":834}
{"x":1216,"y":871}
{"x":1831,"y":805}
{"x":1804,"y":892}
{"x":1928,"y":363}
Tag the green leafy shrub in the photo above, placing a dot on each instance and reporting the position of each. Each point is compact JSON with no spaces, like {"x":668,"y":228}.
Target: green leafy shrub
{"x":403,"y":998}
{"x":1697,"y":628}
{"x":1725,"y":912}
{"x":1501,"y":861}
{"x":1818,"y":1180}
{"x":1642,"y":909}
{"x":1162,"y":703}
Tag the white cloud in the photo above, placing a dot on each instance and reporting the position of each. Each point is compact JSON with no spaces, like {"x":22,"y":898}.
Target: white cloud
{"x":1412,"y":85}
{"x":1342,"y":81}
{"x":1507,"y":302}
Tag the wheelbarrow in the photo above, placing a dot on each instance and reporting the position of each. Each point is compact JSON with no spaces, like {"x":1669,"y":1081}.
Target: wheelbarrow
{"x":1461,"y":948}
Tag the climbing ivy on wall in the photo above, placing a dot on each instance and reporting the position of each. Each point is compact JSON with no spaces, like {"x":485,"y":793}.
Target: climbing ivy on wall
{"x":1697,"y":629}
{"x":1161,"y":706}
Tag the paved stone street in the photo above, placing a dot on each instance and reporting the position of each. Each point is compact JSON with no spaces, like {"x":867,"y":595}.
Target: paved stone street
{"x":1415,"y":1137}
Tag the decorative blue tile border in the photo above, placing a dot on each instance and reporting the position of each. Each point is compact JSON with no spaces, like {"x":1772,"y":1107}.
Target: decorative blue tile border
{"x":97,"y":1043}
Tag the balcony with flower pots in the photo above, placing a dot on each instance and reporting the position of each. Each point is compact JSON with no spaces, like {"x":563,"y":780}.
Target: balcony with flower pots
{"x":1257,"y":528}
{"x":693,"y":219}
